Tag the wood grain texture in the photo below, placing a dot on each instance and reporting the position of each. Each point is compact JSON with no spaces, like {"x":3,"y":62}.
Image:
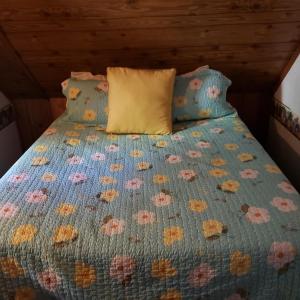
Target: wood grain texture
{"x":15,"y":78}
{"x":250,"y":41}
{"x":33,"y":117}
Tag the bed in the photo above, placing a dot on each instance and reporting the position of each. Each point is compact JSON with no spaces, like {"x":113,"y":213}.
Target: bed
{"x":203,"y":213}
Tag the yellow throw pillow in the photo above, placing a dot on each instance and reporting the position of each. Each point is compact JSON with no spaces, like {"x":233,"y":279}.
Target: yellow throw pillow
{"x":140,"y":101}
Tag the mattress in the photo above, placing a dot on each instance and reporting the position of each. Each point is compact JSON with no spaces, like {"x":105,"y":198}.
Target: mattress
{"x":200,"y":214}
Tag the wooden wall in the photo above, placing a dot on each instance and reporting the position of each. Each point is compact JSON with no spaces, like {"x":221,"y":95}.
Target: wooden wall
{"x":250,"y":41}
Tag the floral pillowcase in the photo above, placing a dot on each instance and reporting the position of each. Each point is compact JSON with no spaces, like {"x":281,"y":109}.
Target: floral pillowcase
{"x":200,"y":95}
{"x":87,"y":98}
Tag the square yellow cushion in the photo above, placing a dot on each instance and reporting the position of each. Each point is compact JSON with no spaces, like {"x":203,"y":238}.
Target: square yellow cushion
{"x":140,"y":101}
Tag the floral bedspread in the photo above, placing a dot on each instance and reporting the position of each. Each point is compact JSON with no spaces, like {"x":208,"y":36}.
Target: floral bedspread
{"x":203,"y":213}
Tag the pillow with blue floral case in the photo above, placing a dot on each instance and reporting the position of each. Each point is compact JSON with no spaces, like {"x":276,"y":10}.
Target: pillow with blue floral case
{"x":87,"y":100}
{"x":201,"y":95}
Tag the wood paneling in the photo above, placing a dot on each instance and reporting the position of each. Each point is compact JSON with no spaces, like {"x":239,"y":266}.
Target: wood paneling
{"x":15,"y":78}
{"x":33,"y":117}
{"x":250,"y":41}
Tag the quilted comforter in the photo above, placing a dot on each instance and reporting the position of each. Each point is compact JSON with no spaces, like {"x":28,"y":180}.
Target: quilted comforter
{"x":200,"y":214}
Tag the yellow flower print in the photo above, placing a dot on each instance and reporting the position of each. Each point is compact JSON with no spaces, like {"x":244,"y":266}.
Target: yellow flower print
{"x":112,"y":137}
{"x":40,"y":148}
{"x":10,"y":267}
{"x":109,"y":195}
{"x":218,"y":162}
{"x":230,"y":186}
{"x":25,"y":293}
{"x":48,"y":177}
{"x":240,"y":263}
{"x":106,"y":110}
{"x":159,"y":179}
{"x":163,"y":269}
{"x":249,"y":136}
{"x":73,"y":93}
{"x":89,"y":115}
{"x":79,"y":126}
{"x":72,"y":133}
{"x":180,"y":101}
{"x":24,"y":233}
{"x":85,"y":275}
{"x":245,"y":157}
{"x":142,"y":166}
{"x":217,"y":172}
{"x":116,"y":167}
{"x":239,"y":128}
{"x":272,"y":169}
{"x":171,"y":294}
{"x":154,"y":136}
{"x":136,"y":153}
{"x":204,"y":113}
{"x":231,"y":147}
{"x":172,"y":235}
{"x":39,"y":161}
{"x":73,"y":142}
{"x":66,"y":209}
{"x":161,"y":144}
{"x":196,"y":133}
{"x":212,"y":228}
{"x":99,"y":128}
{"x":107,"y":180}
{"x":65,"y":233}
{"x":198,"y":205}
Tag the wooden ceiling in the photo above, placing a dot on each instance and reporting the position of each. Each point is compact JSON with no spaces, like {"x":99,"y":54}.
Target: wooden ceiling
{"x":41,"y":41}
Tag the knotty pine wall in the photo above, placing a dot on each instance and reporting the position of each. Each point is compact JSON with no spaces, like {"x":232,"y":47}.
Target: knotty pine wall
{"x":41,"y":41}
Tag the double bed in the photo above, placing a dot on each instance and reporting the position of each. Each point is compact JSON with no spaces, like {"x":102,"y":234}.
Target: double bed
{"x":203,"y":213}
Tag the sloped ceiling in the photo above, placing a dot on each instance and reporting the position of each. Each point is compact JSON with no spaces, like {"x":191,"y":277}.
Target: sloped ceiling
{"x":41,"y":41}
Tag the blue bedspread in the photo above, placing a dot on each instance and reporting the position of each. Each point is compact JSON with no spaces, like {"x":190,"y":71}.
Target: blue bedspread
{"x":200,"y":214}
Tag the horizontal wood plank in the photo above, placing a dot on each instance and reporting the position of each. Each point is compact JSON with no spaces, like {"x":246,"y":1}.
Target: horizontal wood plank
{"x":37,"y":9}
{"x":101,"y":23}
{"x":143,"y":39}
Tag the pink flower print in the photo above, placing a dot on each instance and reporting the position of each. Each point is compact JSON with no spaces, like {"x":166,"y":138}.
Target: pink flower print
{"x":113,"y":226}
{"x":195,"y":84}
{"x":257,"y":215}
{"x":188,"y":175}
{"x":18,"y":178}
{"x":103,"y":86}
{"x":177,"y":137}
{"x":287,"y":187}
{"x":201,"y":275}
{"x":112,"y":148}
{"x":8,"y":210}
{"x":284,"y":205}
{"x":281,"y":254}
{"x":217,"y":130}
{"x":249,"y":173}
{"x":194,"y":154}
{"x":49,"y":280}
{"x":213,"y":92}
{"x":36,"y":196}
{"x":121,"y":268}
{"x":161,"y":199}
{"x":144,"y":217}
{"x":50,"y":131}
{"x":77,"y":177}
{"x":133,"y":184}
{"x":203,"y":144}
{"x":75,"y":160}
{"x":134,"y":136}
{"x":98,"y":156}
{"x":173,"y":159}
